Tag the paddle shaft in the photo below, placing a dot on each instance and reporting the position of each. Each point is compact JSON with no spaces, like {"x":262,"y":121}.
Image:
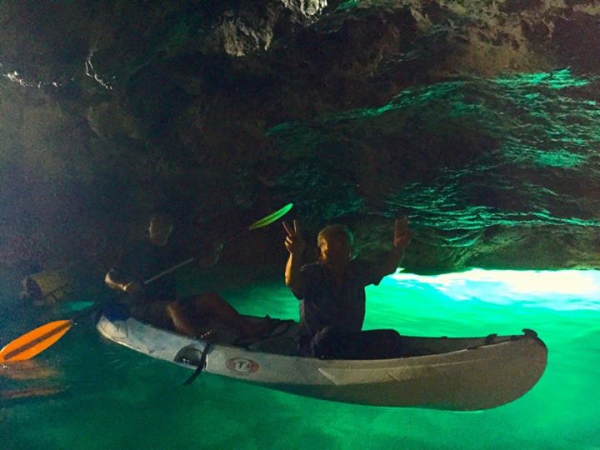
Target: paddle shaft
{"x":186,"y":262}
{"x":256,"y":225}
{"x":169,"y":270}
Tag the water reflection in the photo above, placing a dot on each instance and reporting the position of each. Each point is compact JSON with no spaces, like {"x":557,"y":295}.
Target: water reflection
{"x":560,"y":290}
{"x":115,"y":398}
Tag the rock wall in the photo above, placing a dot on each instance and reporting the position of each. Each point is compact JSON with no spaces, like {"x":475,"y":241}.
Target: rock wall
{"x":476,"y":119}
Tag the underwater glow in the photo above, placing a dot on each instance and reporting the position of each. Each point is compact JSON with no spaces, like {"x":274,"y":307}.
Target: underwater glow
{"x":96,"y":388}
{"x":559,"y":290}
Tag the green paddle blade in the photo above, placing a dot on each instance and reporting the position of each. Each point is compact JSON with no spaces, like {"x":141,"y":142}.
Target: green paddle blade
{"x":271,"y":217}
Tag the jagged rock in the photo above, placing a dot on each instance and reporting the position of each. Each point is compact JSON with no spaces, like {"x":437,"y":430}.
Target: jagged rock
{"x":477,"y":119}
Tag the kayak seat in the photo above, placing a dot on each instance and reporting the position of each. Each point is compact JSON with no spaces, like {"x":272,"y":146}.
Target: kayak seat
{"x":280,"y":340}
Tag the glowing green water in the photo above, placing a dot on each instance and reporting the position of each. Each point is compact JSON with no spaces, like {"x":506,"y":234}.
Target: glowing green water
{"x":117,"y":399}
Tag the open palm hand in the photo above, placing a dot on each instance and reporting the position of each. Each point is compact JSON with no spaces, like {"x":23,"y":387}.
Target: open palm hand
{"x":401,"y":233}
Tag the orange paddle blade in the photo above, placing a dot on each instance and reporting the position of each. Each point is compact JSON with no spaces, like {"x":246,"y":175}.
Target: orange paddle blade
{"x":34,"y":342}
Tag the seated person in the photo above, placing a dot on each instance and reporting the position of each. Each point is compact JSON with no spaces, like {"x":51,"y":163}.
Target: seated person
{"x":332,"y":294}
{"x":207,"y":315}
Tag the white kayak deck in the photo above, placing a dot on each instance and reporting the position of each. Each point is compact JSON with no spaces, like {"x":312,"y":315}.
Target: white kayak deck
{"x":453,"y":373}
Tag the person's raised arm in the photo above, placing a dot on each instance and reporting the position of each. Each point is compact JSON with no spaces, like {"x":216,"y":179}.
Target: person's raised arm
{"x":295,"y":245}
{"x":399,"y":243}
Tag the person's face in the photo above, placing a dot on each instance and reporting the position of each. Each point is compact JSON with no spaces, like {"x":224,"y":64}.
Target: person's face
{"x":160,"y":232}
{"x":336,"y":250}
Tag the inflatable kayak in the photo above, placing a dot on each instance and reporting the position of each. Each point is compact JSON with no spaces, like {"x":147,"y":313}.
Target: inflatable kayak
{"x":449,"y":373}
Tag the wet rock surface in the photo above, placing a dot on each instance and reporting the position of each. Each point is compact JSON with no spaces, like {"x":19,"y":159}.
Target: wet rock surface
{"x":478,"y":120}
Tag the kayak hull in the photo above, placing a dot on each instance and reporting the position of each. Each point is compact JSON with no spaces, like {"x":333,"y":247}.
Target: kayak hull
{"x":459,"y":374}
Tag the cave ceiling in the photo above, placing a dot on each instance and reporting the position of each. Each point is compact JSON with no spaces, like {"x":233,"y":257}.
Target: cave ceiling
{"x":477,"y":119}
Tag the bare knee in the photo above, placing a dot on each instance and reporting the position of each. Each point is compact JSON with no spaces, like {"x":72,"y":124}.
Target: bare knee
{"x":211,"y":298}
{"x":172,"y":309}
{"x":213,"y":302}
{"x":178,"y":318}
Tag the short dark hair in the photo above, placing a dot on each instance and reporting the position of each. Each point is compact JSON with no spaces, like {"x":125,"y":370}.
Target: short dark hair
{"x":335,"y":230}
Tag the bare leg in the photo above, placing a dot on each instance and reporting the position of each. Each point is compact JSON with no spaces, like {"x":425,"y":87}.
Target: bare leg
{"x":211,"y":306}
{"x":181,"y":321}
{"x":207,"y":312}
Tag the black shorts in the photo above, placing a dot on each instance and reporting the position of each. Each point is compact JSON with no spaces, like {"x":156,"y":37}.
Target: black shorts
{"x":332,"y":343}
{"x":153,"y":312}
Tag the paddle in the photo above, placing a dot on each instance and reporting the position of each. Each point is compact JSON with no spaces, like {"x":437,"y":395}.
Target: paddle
{"x":38,"y":340}
{"x":256,"y":225}
{"x":34,"y":342}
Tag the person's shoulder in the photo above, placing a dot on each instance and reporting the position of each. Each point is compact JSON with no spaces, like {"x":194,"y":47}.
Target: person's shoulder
{"x":138,"y":245}
{"x":366,"y":271}
{"x":140,"y":248}
{"x":361,"y":264}
{"x":312,"y":269}
{"x":363,"y":267}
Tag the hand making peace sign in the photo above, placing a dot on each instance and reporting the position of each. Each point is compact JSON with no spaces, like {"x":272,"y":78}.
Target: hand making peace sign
{"x":294,"y":242}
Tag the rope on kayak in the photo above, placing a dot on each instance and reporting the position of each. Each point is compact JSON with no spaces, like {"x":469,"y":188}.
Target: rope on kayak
{"x":277,"y":329}
{"x":188,"y":355}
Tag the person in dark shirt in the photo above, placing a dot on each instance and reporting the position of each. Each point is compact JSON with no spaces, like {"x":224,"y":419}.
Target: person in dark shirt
{"x":155,"y":302}
{"x":332,"y":294}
